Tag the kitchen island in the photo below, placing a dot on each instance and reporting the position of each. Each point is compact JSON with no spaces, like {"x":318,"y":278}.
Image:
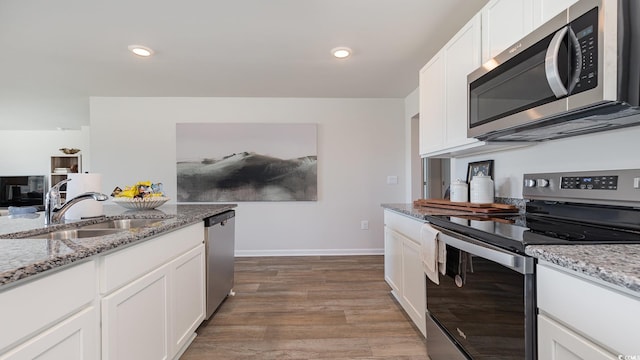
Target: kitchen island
{"x":137,"y":292}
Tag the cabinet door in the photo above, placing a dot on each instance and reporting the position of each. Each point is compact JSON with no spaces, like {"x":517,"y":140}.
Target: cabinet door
{"x":188,"y":296}
{"x":75,"y":338}
{"x":555,"y":342}
{"x":462,"y":56}
{"x":544,"y":10}
{"x":503,"y":23}
{"x":135,"y":319}
{"x":432,"y":105}
{"x":413,"y":283}
{"x":393,"y":259}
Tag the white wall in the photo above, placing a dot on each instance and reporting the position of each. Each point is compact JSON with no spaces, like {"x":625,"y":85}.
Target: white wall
{"x":27,"y":152}
{"x":412,"y":146}
{"x":360,"y":143}
{"x":600,"y":151}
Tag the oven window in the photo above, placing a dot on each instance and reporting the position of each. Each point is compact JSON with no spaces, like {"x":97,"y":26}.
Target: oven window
{"x":481,"y":305}
{"x":518,"y":84}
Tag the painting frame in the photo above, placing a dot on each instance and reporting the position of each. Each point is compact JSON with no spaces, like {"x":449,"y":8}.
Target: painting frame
{"x":253,"y":162}
{"x":484,"y":167}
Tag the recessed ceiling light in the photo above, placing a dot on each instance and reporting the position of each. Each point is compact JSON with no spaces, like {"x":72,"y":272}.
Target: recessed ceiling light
{"x":341,"y":52}
{"x":140,"y":50}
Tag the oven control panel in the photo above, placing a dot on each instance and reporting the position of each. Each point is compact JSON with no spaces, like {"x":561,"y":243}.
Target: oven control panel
{"x":589,"y":182}
{"x":609,"y":187}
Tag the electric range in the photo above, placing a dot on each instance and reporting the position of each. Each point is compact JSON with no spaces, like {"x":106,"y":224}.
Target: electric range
{"x":484,"y":304}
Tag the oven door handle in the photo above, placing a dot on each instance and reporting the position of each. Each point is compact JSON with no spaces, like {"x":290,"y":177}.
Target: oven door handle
{"x":519,"y":263}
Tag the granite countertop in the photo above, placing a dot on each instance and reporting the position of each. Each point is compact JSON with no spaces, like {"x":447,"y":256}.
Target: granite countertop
{"x":420,"y":212}
{"x":617,"y":264}
{"x":22,"y":257}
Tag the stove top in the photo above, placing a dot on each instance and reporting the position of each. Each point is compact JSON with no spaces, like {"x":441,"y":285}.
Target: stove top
{"x":596,"y":207}
{"x":515,"y":232}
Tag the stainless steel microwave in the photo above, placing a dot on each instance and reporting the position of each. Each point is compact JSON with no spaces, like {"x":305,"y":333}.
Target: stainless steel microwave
{"x":578,"y":73}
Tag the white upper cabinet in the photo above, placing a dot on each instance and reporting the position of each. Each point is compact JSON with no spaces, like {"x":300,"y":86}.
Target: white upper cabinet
{"x":544,"y":10}
{"x":503,"y":23}
{"x":432,"y":101}
{"x":443,"y":91}
{"x":462,"y":56}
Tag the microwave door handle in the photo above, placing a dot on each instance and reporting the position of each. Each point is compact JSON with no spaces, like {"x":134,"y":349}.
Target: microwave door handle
{"x":551,"y":64}
{"x":577,"y":52}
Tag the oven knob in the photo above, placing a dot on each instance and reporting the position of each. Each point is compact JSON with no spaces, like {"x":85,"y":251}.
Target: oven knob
{"x":529,"y":183}
{"x":542,"y":182}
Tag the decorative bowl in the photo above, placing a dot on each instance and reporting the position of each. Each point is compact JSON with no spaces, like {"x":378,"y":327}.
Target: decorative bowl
{"x":141,"y":203}
{"x":69,"y":151}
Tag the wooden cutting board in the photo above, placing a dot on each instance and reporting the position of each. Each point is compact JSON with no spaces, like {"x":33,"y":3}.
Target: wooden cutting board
{"x":465,"y":206}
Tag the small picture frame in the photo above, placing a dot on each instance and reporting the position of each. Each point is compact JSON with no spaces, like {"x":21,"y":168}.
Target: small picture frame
{"x":484,"y":167}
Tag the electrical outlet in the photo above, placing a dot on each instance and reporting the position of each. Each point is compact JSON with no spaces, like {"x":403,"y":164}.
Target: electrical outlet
{"x":364,"y":225}
{"x":392,"y":180}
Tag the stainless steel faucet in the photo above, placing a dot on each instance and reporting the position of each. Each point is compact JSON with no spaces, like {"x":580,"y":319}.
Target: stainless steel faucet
{"x":54,"y":209}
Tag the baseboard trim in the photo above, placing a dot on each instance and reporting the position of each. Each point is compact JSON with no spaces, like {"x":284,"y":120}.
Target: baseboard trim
{"x":309,"y":252}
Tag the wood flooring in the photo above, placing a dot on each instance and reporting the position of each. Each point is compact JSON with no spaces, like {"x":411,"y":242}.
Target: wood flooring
{"x":321,"y":307}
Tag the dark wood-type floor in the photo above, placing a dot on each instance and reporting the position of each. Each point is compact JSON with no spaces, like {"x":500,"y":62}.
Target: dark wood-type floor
{"x":309,"y":308}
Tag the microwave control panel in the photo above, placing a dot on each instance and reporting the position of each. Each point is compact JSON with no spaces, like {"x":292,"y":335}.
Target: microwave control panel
{"x":585,"y":29}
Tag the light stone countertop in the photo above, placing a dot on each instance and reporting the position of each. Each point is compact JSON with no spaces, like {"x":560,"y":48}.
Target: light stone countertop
{"x":22,"y":257}
{"x":420,"y":212}
{"x":616,"y":264}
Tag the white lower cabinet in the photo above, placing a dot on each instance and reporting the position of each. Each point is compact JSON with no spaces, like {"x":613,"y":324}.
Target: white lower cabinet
{"x":188,"y":304}
{"x":52,"y":317}
{"x":75,"y":338}
{"x":556,"y":342}
{"x":413,"y":286}
{"x":135,"y":319}
{"x":392,"y":259}
{"x":403,"y":265}
{"x":154,"y":316}
{"x":584,"y":318}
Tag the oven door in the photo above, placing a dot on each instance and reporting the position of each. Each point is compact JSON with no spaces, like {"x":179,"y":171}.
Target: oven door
{"x":484,"y":307}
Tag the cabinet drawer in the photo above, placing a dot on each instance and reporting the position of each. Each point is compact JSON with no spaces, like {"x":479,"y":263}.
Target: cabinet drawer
{"x":405,"y":225}
{"x":37,"y":304}
{"x":126,"y":265}
{"x":73,"y":338}
{"x":555,"y":342}
{"x":606,"y":316}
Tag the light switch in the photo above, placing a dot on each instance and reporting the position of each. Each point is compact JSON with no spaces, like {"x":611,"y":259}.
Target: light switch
{"x":636,"y":183}
{"x":392,"y":180}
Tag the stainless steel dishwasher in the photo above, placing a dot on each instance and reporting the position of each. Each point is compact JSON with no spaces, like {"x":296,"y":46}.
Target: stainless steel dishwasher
{"x":220,"y":253}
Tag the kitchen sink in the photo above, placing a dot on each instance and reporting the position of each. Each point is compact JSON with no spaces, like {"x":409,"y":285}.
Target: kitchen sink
{"x":75,"y":234}
{"x":123,"y":224}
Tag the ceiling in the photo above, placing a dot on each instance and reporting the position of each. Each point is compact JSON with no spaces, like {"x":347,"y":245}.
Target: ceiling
{"x":56,"y":54}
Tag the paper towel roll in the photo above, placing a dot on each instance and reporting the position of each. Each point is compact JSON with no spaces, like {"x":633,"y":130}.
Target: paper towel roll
{"x":82,"y":183}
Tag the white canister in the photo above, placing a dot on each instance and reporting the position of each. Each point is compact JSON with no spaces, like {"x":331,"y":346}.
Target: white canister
{"x":482,"y":189}
{"x":459,"y":191}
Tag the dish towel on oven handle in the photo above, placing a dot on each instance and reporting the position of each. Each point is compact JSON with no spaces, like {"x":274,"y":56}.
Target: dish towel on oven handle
{"x":432,"y":253}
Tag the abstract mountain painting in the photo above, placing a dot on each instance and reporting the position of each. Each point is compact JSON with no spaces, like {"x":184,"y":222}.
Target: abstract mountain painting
{"x":221,"y":162}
